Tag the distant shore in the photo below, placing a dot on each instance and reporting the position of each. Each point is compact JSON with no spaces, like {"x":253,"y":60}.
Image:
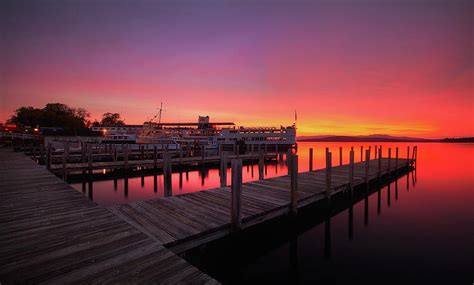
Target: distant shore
{"x":384,"y":139}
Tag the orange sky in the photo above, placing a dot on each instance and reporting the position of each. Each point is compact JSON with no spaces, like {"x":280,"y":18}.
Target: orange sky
{"x":398,"y":68}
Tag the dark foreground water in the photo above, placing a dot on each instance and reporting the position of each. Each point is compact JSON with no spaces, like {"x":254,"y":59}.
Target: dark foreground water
{"x":420,"y":231}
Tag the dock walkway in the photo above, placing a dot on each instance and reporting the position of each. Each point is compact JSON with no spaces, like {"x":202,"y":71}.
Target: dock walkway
{"x":189,"y":220}
{"x":51,"y":233}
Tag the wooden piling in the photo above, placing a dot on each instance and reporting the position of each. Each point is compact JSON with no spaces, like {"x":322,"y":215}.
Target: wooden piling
{"x":64,"y":161}
{"x":389,"y":160}
{"x":340,"y":155}
{"x":294,"y":184}
{"x":203,"y":153}
{"x":408,"y":156}
{"x":223,"y":169}
{"x":380,"y":163}
{"x":155,"y":157}
{"x":310,"y":159}
{"x":367,"y":163}
{"x":376,"y":152}
{"x":351,"y":171}
{"x":167,"y":171}
{"x":261,"y":165}
{"x":396,"y":159}
{"x":48,"y":157}
{"x":236,"y":189}
{"x":89,"y":159}
{"x":125,"y":155}
{"x":328,"y":173}
{"x":361,"y":153}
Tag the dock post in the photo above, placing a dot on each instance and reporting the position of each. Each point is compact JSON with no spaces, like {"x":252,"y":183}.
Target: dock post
{"x":310,"y":159}
{"x":167,"y":175}
{"x":125,"y":155}
{"x":416,"y":155}
{"x":236,"y":188}
{"x":115,"y":152}
{"x":288,"y":154}
{"x":223,"y":168}
{"x":379,"y":164}
{"x":261,"y":165}
{"x":396,"y":160}
{"x":376,"y":152}
{"x":41,"y":153}
{"x":89,"y":159}
{"x":367,"y":163}
{"x":351,"y":171}
{"x":238,"y":151}
{"x":361,"y":153}
{"x":48,"y":157}
{"x":180,"y":155}
{"x":155,"y":157}
{"x":340,"y":155}
{"x":408,"y":156}
{"x":328,"y":173}
{"x":294,"y":184}
{"x":389,"y":160}
{"x":66,"y":149}
{"x":64,"y":161}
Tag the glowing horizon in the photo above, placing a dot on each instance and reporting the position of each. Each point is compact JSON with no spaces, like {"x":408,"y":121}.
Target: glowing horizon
{"x":348,"y":68}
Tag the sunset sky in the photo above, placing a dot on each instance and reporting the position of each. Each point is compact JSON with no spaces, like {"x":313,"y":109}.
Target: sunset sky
{"x":348,"y":67}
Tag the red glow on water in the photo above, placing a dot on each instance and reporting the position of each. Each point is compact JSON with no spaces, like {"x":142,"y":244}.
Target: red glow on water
{"x":438,"y":165}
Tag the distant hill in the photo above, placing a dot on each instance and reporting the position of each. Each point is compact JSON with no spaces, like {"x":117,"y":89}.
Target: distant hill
{"x":462,"y":140}
{"x":368,"y":138}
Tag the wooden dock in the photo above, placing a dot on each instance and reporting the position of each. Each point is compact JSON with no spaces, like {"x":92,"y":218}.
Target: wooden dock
{"x":51,"y":233}
{"x":151,"y":163}
{"x":189,"y":220}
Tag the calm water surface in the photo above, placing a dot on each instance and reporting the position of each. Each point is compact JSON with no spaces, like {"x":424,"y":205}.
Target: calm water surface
{"x":109,"y":192}
{"x":421,"y":231}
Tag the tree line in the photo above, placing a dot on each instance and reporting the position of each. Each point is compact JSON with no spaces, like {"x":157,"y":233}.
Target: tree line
{"x":74,"y":121}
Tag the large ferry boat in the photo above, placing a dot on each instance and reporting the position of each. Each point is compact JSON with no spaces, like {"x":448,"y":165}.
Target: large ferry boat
{"x":205,"y":133}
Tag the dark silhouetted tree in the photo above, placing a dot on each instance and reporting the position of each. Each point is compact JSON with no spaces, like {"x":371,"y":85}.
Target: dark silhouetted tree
{"x":111,"y":119}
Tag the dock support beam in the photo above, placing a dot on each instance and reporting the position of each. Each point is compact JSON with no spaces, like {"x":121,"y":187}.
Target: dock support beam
{"x":294,"y":184}
{"x":340,"y":155}
{"x":408,"y":156}
{"x":64,"y":160}
{"x":367,"y":163}
{"x":379,"y":170}
{"x":361,"y":153}
{"x":389,"y":159}
{"x":223,"y":169}
{"x":236,"y":210}
{"x":310,"y":159}
{"x":167,"y":175}
{"x":328,"y":173}
{"x":48,"y":156}
{"x":125,"y":156}
{"x":155,"y":157}
{"x":261,"y":165}
{"x":351,"y":171}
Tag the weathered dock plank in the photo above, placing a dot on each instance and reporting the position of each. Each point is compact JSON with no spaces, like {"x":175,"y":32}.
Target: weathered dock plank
{"x":51,"y":233}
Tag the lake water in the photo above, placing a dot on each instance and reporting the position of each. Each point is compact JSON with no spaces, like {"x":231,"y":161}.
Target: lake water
{"x":107,"y":191}
{"x":422,"y":231}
